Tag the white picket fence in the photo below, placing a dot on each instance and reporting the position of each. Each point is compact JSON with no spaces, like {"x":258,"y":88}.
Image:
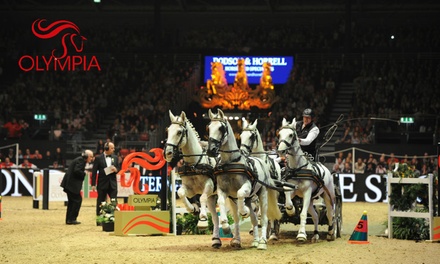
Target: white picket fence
{"x":411,"y":214}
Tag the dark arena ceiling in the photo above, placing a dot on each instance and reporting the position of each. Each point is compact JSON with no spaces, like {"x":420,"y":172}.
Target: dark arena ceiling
{"x":219,"y":6}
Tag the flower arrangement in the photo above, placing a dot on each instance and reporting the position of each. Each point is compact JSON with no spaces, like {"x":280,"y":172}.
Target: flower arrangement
{"x":188,"y":224}
{"x":107,"y":211}
{"x":405,"y":171}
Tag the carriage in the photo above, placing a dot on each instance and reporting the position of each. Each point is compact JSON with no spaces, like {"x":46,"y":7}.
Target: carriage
{"x":292,"y":178}
{"x":237,"y":174}
{"x":319,"y":207}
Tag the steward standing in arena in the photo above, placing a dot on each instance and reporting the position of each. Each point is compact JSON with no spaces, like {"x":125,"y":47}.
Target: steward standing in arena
{"x":107,"y":166}
{"x":72,"y":183}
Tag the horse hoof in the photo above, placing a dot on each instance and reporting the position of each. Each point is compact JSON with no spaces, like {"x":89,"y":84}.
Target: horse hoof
{"x":246,"y":213}
{"x":202,"y":224}
{"x":251,"y":232}
{"x":255,"y":243}
{"x":301,"y":237}
{"x":235,"y":243}
{"x":216,"y":243}
{"x":315,"y":239}
{"x":273,"y":237}
{"x":196,"y":210}
{"x":331,"y":237}
{"x":262,"y":245}
{"x":290,"y":211}
{"x":226,"y":229}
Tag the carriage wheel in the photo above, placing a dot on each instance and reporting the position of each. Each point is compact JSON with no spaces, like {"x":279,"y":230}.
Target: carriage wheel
{"x":338,"y":216}
{"x":338,"y":206}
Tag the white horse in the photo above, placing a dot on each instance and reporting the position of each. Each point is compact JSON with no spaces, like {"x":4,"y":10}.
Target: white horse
{"x":240,"y":179}
{"x":252,"y":145}
{"x":196,"y":173}
{"x":312,"y":180}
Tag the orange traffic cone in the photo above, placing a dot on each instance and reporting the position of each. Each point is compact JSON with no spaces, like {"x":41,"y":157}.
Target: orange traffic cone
{"x":360,"y":233}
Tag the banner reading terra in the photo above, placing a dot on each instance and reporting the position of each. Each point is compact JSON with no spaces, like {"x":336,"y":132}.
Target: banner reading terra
{"x":354,"y":187}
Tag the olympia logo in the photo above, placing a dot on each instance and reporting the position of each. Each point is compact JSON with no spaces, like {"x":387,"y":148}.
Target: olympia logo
{"x":59,"y":60}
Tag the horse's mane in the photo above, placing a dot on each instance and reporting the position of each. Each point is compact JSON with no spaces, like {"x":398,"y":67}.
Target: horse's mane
{"x":191,"y":126}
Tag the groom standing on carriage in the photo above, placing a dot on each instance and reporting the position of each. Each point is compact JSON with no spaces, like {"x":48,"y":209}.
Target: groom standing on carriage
{"x":308,"y":133}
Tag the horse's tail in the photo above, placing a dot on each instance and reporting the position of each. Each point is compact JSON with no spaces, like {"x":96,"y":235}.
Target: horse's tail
{"x":273,"y":211}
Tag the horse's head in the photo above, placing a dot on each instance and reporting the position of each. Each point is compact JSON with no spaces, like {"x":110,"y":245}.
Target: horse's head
{"x":267,"y":67}
{"x":67,"y":29}
{"x":216,"y":67}
{"x":248,"y":137}
{"x":218,"y":130}
{"x":177,"y":135}
{"x":286,"y":136}
{"x":241,"y":64}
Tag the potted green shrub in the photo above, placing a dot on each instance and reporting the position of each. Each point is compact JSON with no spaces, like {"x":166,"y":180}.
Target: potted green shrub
{"x":107,"y":217}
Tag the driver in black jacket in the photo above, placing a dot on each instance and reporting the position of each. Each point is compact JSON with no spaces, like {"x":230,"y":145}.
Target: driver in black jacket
{"x":308,"y":133}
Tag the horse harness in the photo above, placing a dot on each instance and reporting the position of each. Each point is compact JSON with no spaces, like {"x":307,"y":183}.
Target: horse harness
{"x":253,"y":140}
{"x":307,"y":174}
{"x":313,"y":174}
{"x":196,"y":169}
{"x":247,"y":169}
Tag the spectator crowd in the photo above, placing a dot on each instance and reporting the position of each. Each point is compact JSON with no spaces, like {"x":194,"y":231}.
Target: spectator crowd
{"x":136,"y":89}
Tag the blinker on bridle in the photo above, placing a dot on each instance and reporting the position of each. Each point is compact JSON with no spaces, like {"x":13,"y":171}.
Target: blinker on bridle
{"x":183,"y":135}
{"x":252,"y":138}
{"x":223,"y":129}
{"x":288,"y":144}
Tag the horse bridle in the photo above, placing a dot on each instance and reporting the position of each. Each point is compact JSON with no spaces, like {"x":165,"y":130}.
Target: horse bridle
{"x":177,"y":146}
{"x":183,"y":135}
{"x":253,"y":139}
{"x":288,"y":144}
{"x":224,"y":131}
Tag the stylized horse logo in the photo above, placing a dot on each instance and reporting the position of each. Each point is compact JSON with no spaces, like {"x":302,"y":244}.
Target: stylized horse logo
{"x":56,"y":28}
{"x":146,"y":161}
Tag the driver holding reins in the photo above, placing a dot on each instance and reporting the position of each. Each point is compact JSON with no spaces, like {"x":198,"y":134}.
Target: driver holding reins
{"x":308,"y":133}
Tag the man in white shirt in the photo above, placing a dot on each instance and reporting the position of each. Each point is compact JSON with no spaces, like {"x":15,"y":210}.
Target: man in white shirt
{"x":307,"y":133}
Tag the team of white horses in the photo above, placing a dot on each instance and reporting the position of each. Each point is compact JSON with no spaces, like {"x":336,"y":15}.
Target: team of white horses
{"x":221,"y":170}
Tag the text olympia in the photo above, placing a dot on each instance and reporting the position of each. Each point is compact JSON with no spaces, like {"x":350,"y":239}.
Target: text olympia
{"x":68,"y":63}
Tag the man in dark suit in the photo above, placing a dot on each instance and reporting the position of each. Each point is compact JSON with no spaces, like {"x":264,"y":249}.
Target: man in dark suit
{"x":72,"y":183}
{"x":106,"y":165}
